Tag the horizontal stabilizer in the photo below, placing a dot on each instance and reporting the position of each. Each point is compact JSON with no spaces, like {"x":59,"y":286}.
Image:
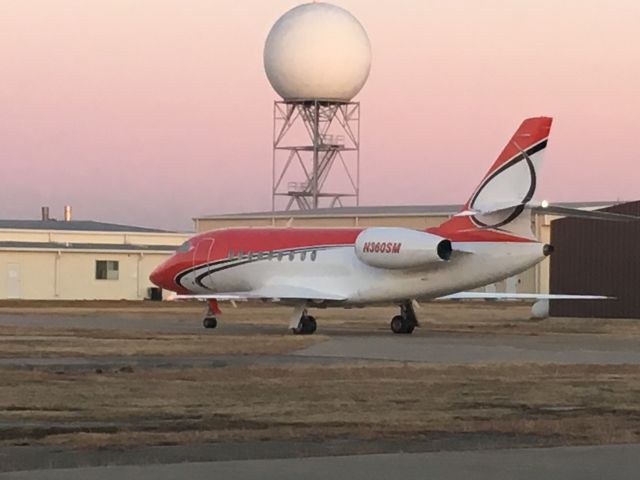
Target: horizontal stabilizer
{"x":546,"y":208}
{"x":519,"y":296}
{"x":496,"y":207}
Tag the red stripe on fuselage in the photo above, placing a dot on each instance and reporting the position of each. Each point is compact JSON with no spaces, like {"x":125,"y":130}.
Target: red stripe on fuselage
{"x":462,"y":229}
{"x":271,"y":239}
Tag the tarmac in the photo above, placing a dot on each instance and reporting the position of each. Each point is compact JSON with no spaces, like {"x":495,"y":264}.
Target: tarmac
{"x":345,"y":345}
{"x":446,"y":348}
{"x":564,"y":463}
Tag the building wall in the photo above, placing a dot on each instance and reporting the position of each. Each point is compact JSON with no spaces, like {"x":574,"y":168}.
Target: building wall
{"x":71,"y":275}
{"x":410,"y":221}
{"x":597,"y":257}
{"x":68,"y":274}
{"x":34,"y":274}
{"x":116,"y":238}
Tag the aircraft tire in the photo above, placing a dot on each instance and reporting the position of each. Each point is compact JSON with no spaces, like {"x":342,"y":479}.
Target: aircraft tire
{"x":210,"y":322}
{"x":310,"y":325}
{"x":400,"y":325}
{"x":397,"y":324}
{"x":307,"y":326}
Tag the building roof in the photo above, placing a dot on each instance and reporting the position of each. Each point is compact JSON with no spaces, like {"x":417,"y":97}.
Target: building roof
{"x":398,"y":210}
{"x":74,"y":225}
{"x":86,"y":246}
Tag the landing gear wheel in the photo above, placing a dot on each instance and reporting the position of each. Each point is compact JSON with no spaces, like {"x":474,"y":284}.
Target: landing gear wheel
{"x":397,"y":325}
{"x":401,"y":325}
{"x":210,"y":322}
{"x":407,"y":321}
{"x":307,"y":326}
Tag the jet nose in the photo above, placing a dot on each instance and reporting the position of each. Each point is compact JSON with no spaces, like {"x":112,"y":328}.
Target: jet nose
{"x":160,"y":276}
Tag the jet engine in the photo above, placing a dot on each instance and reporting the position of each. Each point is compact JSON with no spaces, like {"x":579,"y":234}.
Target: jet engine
{"x":391,"y":247}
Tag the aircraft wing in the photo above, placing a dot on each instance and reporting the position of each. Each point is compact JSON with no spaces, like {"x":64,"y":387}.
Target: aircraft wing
{"x":274,"y":293}
{"x":519,"y":296}
{"x":233,"y":296}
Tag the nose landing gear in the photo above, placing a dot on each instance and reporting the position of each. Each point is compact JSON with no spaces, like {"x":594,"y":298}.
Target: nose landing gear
{"x":407,"y":321}
{"x":210,"y":320}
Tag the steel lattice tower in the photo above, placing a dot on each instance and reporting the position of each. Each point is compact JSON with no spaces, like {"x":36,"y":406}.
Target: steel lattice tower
{"x":316,"y":154}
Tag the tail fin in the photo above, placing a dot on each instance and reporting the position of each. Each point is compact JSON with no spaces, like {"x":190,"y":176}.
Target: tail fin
{"x":501,"y":197}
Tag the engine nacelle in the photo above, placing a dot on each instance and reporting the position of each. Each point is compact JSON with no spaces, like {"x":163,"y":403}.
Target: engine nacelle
{"x":391,"y":247}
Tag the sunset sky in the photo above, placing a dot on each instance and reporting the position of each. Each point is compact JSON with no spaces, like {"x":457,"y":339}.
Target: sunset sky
{"x":150,"y":112}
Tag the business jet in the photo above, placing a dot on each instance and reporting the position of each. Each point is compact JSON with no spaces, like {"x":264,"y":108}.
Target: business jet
{"x":489,"y":240}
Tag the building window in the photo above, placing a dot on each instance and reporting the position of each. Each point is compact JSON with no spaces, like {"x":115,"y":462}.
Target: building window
{"x":107,"y":270}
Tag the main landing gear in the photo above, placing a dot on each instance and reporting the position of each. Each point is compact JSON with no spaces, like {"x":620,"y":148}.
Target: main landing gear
{"x":300,"y":322}
{"x":306,"y":326}
{"x":406,"y":321}
{"x":210,"y":320}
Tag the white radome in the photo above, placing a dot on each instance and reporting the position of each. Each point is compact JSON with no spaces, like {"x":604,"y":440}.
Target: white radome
{"x":317,"y":51}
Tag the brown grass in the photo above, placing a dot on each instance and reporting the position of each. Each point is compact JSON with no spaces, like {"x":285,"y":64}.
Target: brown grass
{"x":566,"y":404}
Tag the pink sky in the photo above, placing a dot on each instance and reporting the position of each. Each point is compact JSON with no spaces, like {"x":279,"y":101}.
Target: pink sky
{"x":153,"y":111}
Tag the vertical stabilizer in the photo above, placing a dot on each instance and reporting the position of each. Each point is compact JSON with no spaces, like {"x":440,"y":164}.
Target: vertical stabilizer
{"x":499,"y":201}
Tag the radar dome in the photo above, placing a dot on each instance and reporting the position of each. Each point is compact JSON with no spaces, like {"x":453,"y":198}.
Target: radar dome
{"x":317,"y":51}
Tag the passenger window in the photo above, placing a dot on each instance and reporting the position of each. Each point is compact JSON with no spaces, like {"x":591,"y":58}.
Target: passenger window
{"x":313,"y":256}
{"x":303,"y":255}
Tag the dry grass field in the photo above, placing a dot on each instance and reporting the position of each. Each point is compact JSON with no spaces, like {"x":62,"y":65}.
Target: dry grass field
{"x":88,"y":408}
{"x":126,"y":407}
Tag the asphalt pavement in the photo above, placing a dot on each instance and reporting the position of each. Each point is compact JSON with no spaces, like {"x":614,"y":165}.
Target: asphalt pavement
{"x":616,"y":462}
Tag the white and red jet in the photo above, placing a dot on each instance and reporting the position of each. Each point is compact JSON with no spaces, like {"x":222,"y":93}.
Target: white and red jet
{"x":488,"y":241}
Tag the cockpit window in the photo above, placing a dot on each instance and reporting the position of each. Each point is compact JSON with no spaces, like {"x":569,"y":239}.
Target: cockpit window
{"x":184,"y":247}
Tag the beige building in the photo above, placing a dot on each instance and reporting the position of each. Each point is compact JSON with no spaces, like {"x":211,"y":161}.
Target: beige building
{"x":76,"y":260}
{"x":535,"y":280}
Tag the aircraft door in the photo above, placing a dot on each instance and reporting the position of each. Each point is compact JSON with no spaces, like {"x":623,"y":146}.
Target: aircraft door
{"x":201,"y":259}
{"x":209,"y":259}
